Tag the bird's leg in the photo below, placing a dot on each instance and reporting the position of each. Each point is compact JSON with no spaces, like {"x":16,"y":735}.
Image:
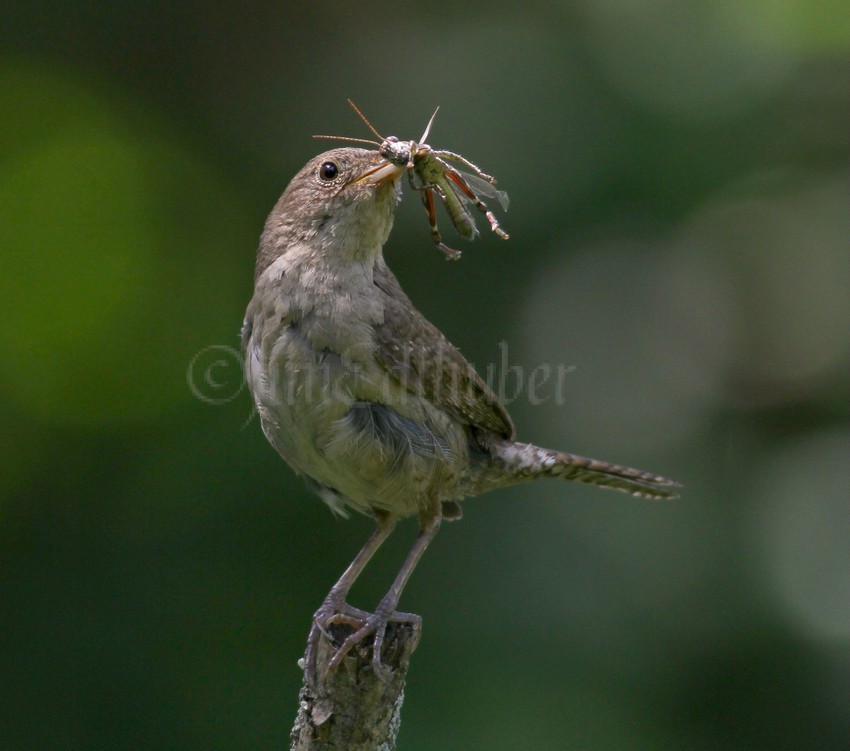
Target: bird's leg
{"x":335,"y":609}
{"x":376,"y":623}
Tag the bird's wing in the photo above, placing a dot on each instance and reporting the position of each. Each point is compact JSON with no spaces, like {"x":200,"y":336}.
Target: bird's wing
{"x":416,"y":353}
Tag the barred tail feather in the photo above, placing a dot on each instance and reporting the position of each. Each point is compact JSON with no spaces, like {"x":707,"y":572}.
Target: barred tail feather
{"x":515,"y":462}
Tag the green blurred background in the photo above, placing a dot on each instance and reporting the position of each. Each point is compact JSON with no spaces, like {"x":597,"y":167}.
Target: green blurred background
{"x":679,"y":244}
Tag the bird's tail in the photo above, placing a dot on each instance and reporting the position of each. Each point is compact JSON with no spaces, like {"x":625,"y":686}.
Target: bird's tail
{"x":510,"y":462}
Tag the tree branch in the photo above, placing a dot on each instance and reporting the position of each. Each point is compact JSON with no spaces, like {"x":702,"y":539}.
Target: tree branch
{"x":355,"y":710}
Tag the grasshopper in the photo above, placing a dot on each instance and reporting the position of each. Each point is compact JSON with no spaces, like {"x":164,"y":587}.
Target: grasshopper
{"x":429,"y":172}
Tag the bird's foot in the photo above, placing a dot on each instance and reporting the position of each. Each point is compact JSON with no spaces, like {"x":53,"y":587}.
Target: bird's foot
{"x":374,"y":625}
{"x":357,"y":625}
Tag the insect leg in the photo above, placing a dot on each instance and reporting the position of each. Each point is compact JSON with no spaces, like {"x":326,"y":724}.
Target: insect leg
{"x":411,"y":178}
{"x":466,"y":163}
{"x":424,"y":185}
{"x":455,"y":177}
{"x":430,"y":208}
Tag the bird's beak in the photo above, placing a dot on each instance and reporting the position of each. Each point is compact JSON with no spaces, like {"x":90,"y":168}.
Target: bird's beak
{"x":383,"y":172}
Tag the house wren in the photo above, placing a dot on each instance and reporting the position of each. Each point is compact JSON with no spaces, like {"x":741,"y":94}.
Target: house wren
{"x":363,"y":396}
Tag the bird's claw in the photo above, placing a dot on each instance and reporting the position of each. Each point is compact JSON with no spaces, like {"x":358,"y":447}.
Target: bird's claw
{"x":363,"y":624}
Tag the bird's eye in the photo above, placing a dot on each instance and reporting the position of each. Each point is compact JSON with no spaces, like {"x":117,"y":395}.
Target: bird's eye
{"x":328,"y":171}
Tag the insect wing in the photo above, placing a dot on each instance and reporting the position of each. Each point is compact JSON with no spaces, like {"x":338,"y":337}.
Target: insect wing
{"x":482,"y":187}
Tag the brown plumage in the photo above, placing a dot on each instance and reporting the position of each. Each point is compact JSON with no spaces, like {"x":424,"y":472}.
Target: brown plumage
{"x":363,"y":396}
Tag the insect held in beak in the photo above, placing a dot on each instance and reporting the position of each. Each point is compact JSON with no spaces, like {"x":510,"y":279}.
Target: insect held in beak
{"x":429,"y":172}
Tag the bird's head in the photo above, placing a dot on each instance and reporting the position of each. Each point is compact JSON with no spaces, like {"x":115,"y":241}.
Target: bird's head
{"x":340,"y":205}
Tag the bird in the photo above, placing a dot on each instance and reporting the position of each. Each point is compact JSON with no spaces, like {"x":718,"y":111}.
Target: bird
{"x":366,"y":399}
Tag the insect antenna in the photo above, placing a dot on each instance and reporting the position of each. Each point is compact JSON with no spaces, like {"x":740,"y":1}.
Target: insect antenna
{"x":346,"y":138}
{"x":365,"y":120}
{"x":358,"y":140}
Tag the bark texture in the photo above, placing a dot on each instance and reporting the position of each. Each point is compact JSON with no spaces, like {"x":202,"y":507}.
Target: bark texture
{"x":355,"y":710}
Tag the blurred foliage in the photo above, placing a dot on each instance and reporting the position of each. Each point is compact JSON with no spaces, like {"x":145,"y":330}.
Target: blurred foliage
{"x":679,"y":244}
